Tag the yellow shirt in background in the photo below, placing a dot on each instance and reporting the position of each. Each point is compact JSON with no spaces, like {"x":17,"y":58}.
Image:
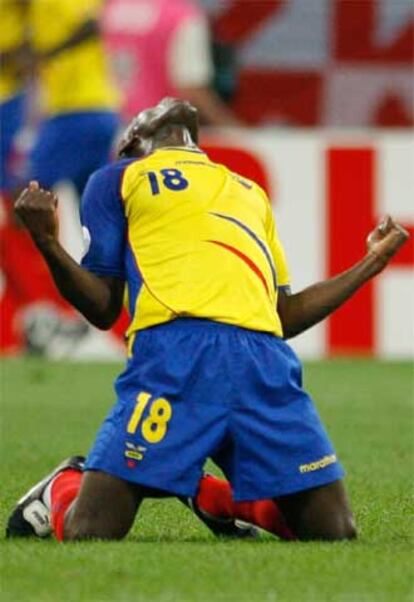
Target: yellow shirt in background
{"x":77,"y":79}
{"x":12,"y":35}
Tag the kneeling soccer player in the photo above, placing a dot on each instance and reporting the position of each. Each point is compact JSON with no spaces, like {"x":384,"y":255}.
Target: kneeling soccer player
{"x":209,"y":373}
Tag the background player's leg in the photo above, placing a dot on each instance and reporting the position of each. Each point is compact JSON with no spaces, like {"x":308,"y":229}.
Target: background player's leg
{"x":319,"y":513}
{"x":105,"y":508}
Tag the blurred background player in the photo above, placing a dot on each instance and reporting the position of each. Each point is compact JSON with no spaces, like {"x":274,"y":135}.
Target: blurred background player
{"x":76,"y":105}
{"x":14,"y":62}
{"x":162,"y":48}
{"x":78,"y":100}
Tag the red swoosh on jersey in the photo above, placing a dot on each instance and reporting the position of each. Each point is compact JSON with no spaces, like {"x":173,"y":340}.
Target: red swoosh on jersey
{"x":246,"y":260}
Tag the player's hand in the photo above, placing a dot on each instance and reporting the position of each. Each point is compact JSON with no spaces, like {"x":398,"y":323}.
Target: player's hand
{"x":37,"y":209}
{"x":386,"y":240}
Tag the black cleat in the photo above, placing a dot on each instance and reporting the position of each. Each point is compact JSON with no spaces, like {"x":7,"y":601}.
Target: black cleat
{"x":31,"y":517}
{"x":222,"y":527}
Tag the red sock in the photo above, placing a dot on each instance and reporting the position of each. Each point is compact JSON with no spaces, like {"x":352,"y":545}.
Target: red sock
{"x":216,"y":498}
{"x":64,"y":490}
{"x":265,"y":514}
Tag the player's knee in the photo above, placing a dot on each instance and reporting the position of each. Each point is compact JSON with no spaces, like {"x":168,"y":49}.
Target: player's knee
{"x":349,"y":530}
{"x":74,"y":533}
{"x":84,"y":529}
{"x":335,"y":526}
{"x":341,"y":527}
{"x":83,"y":533}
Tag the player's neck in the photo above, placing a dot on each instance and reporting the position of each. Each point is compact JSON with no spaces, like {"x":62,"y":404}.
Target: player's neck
{"x":173,"y":136}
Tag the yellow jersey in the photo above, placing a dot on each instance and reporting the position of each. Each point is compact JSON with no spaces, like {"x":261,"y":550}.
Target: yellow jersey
{"x":78,"y":78}
{"x":189,"y":237}
{"x":12,"y":36}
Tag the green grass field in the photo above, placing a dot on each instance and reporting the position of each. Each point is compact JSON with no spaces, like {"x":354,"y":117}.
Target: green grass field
{"x":52,"y":410}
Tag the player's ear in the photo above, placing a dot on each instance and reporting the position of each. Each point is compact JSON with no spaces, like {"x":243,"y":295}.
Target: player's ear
{"x":128,"y":144}
{"x":193,"y":125}
{"x":129,"y":149}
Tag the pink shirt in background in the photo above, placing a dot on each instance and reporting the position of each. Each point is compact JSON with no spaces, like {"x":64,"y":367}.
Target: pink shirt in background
{"x":156,"y":46}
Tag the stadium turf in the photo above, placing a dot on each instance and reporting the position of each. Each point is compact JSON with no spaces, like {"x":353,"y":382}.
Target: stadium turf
{"x":51,"y":410}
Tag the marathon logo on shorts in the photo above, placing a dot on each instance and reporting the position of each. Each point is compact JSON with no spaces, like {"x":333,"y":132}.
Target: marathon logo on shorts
{"x":318,"y":464}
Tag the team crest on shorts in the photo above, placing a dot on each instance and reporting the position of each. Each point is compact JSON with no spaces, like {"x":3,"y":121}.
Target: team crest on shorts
{"x":134,"y":453}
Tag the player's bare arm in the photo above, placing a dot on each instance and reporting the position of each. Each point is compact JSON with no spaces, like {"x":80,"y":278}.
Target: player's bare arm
{"x":98,"y":298}
{"x":300,"y":311}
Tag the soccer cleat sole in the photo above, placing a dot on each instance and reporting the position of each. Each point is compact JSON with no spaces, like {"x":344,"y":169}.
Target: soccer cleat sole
{"x":31,"y":510}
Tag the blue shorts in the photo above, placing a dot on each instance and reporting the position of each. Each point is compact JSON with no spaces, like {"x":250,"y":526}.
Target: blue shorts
{"x":11,"y":120}
{"x":197,"y":389}
{"x":71,"y":146}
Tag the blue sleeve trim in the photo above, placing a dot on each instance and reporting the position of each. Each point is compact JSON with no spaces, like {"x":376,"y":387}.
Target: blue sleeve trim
{"x":102,"y":271}
{"x":286,"y":289}
{"x":102,"y":215}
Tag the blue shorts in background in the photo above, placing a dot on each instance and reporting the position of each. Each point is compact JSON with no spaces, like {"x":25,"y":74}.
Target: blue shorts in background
{"x":196,"y":389}
{"x":12,"y":114}
{"x":69,"y":147}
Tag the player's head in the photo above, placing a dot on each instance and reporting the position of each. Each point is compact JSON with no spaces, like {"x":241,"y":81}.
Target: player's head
{"x":171,"y":122}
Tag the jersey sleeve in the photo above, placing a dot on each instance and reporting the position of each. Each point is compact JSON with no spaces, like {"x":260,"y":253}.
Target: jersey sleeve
{"x":277,"y":251}
{"x":104,"y":223}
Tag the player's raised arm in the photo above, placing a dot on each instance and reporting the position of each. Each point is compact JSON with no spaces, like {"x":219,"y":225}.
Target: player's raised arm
{"x":300,"y":311}
{"x":98,"y":298}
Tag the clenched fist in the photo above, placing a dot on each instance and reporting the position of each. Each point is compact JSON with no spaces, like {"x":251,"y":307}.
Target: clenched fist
{"x":36,"y":208}
{"x":385,"y":240}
